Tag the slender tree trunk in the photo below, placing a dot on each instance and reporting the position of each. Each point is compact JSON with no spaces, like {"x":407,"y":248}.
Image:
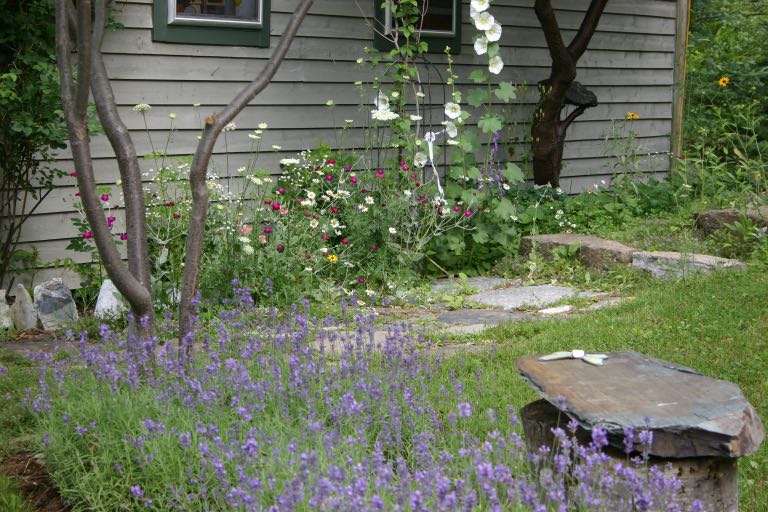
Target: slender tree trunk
{"x":198,"y":172}
{"x":548,"y":130}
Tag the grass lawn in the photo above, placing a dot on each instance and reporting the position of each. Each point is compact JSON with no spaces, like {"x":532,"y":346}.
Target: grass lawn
{"x":715,"y":324}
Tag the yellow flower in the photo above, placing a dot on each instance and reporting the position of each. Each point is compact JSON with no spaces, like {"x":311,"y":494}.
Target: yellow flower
{"x":633,"y":116}
{"x":724,"y":81}
{"x":332,"y":258}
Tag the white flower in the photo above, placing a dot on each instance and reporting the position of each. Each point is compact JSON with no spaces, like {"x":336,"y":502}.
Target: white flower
{"x":262,"y":126}
{"x":381,"y":101}
{"x":349,"y":121}
{"x":313,"y":223}
{"x":495,"y":65}
{"x":450,"y":129}
{"x":414,"y":118}
{"x":307,"y":269}
{"x":311,"y":195}
{"x":253,"y":136}
{"x":407,"y":193}
{"x":452,"y":110}
{"x":289,"y":161}
{"x":494,"y":33}
{"x":384,"y":115}
{"x":359,"y":60}
{"x":247,"y":249}
{"x":335,"y":223}
{"x":419,"y":159}
{"x":362,"y":208}
{"x":480,"y":5}
{"x":369,"y":200}
{"x":452,"y":142}
{"x":420,"y":94}
{"x":276,"y":147}
{"x":244,"y":239}
{"x":329,"y":103}
{"x":513,"y":217}
{"x":370,"y":293}
{"x":481,"y":45}
{"x":392,"y":231}
{"x":230,"y":127}
{"x":258,"y":132}
{"x":141,"y":107}
{"x":196,"y":105}
{"x":473,"y":12}
{"x":172,"y":115}
{"x":484,"y":21}
{"x":241,"y":170}
{"x":505,"y":186}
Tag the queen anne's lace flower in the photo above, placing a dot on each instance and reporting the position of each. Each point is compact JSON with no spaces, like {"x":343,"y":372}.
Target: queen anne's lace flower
{"x":141,"y":107}
{"x":384,"y":115}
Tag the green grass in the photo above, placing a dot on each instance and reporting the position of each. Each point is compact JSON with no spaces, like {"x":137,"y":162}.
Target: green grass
{"x":15,"y":419}
{"x":11,"y":499}
{"x":715,"y":324}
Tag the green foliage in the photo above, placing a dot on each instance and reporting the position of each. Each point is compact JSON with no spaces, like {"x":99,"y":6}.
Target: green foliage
{"x":31,"y":121}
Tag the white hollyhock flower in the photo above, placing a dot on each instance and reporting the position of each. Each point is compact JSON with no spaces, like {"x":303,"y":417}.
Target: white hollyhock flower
{"x":481,"y":45}
{"x":495,"y":65}
{"x":473,"y":12}
{"x":484,"y":21}
{"x":480,"y":5}
{"x":494,"y":33}
{"x":381,"y":101}
{"x":450,"y":129}
{"x":452,"y":110}
{"x":419,"y":159}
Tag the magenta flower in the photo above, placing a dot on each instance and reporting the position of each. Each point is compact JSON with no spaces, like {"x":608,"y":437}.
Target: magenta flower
{"x":325,"y":236}
{"x":111,"y":220}
{"x":406,"y":168}
{"x":87,"y":234}
{"x":379,"y":173}
{"x":347,"y":167}
{"x":353,"y":180}
{"x":169,"y":204}
{"x":267,"y":201}
{"x":361,"y":280}
{"x":334,"y":210}
{"x":331,"y":161}
{"x":374,"y":247}
{"x":275,"y":206}
{"x":468,"y":213}
{"x":457,"y":208}
{"x":328,"y":177}
{"x":73,"y":174}
{"x":345,"y":241}
{"x":105,"y":197}
{"x":280,"y":247}
{"x":123,"y":236}
{"x":267,"y":230}
{"x":176,"y":215}
{"x":281,"y":191}
{"x":413,"y":176}
{"x":77,"y":194}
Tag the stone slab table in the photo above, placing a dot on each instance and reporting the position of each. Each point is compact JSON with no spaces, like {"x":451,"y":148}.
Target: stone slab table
{"x":700,"y":425}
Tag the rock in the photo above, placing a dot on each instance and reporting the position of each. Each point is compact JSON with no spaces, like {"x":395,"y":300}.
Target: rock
{"x":23,"y":310}
{"x":480,"y":284}
{"x":481,"y":316}
{"x":466,"y":328}
{"x":690,"y":415}
{"x":54,"y":304}
{"x":669,"y":265}
{"x":110,"y":302}
{"x":594,"y":252}
{"x":5,"y":313}
{"x":712,"y":220}
{"x":521,"y":296}
{"x":559,"y":310}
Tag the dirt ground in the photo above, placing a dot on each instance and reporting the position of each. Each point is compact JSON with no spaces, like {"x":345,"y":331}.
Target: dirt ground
{"x":34,"y":481}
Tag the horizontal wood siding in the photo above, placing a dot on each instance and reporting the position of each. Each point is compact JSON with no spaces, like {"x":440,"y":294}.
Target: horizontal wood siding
{"x":629,"y":65}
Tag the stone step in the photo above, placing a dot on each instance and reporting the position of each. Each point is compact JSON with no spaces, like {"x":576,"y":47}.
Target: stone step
{"x":594,"y":252}
{"x":710,"y":221}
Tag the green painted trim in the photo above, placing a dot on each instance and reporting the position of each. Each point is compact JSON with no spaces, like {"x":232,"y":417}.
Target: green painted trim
{"x":202,"y":35}
{"x":436,"y":44}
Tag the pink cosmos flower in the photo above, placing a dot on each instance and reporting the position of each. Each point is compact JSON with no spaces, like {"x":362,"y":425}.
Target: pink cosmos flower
{"x":105,"y":197}
{"x":123,"y":236}
{"x":267,"y":201}
{"x":87,"y":235}
{"x":245,"y":229}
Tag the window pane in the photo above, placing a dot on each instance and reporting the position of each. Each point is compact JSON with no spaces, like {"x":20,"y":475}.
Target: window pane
{"x":439,"y":15}
{"x":240,"y":10}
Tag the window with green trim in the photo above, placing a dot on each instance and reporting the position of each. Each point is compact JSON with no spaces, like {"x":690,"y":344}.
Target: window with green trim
{"x":219,"y":22}
{"x":440,"y":25}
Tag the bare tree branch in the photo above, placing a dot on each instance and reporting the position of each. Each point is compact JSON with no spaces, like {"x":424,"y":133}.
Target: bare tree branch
{"x":562,"y":59}
{"x":197,"y":176}
{"x":588,"y":26}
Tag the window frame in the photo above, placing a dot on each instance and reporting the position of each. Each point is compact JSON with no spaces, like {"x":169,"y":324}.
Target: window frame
{"x":169,"y":29}
{"x":436,"y":40}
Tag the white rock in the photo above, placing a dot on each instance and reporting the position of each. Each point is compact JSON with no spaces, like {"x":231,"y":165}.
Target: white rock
{"x":23,"y":310}
{"x":110,"y":302}
{"x":5,"y":313}
{"x":556,"y":311}
{"x":54,"y":304}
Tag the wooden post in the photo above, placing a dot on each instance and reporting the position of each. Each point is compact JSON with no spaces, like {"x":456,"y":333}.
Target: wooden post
{"x":678,"y":98}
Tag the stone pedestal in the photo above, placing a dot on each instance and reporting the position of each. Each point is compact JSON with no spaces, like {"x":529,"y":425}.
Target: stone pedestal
{"x":700,"y":425}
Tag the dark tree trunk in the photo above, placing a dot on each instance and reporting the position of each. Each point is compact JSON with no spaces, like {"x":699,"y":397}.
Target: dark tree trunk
{"x":548,"y":129}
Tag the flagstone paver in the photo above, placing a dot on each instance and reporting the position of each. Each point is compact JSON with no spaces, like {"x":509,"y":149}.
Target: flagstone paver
{"x":481,"y":316}
{"x":481,"y":284}
{"x":523,"y":296}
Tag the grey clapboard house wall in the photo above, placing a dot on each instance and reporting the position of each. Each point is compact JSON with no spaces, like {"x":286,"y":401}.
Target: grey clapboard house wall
{"x":629,"y":65}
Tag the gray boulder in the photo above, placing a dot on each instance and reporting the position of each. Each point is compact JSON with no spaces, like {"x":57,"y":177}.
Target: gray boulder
{"x":54,"y":304}
{"x":23,"y":310}
{"x":710,"y":221}
{"x":5,"y":313}
{"x":594,"y":252}
{"x":670,"y":265}
{"x":110,"y":302}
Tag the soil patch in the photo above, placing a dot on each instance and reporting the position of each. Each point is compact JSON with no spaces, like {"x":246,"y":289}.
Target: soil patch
{"x":34,"y":481}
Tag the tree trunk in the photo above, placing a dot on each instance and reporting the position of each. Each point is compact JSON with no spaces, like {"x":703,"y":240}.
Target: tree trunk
{"x":547,"y":129}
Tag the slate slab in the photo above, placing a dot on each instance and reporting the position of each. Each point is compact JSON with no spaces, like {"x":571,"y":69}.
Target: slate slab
{"x":481,"y":316}
{"x":54,"y":304}
{"x":481,"y":284}
{"x":712,"y":220}
{"x":691,"y":415}
{"x":594,"y":252}
{"x":23,"y":310}
{"x":671,"y":265}
{"x":522,"y":296}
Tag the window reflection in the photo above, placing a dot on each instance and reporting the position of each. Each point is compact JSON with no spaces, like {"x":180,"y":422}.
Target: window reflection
{"x":242,"y":10}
